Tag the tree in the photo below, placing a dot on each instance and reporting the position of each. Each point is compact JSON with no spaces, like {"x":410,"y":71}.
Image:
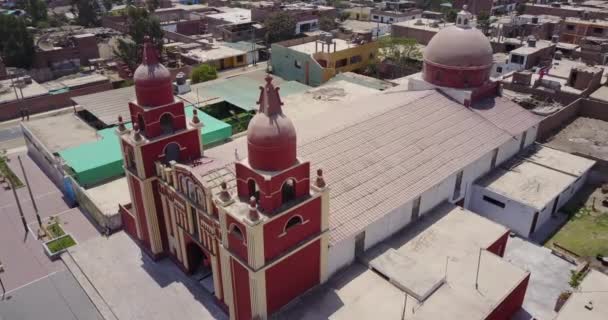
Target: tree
{"x":152,"y":5}
{"x":399,"y":50}
{"x":87,"y":12}
{"x":451,"y":15}
{"x":16,"y":42}
{"x":202,"y":73}
{"x":281,"y":26}
{"x":575,"y":279}
{"x":483,"y":22}
{"x":327,"y":24}
{"x":140,"y":24}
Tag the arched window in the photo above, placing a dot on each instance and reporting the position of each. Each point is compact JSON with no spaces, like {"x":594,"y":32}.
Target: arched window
{"x":171,"y":152}
{"x":236,"y":232}
{"x":288,"y":191}
{"x":191,"y":191}
{"x":141,"y":123}
{"x":292,"y":222}
{"x":166,"y":123}
{"x":252,"y":187}
{"x":184,"y":183}
{"x":466,"y":21}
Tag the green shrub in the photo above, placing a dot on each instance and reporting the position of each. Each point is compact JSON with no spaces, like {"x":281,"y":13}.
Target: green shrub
{"x":203,"y":73}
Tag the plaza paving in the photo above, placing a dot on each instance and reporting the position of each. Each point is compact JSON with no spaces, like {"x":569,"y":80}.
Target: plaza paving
{"x":32,"y":281}
{"x":135,"y":287}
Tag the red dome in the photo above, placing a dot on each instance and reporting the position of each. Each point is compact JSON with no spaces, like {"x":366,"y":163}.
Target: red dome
{"x":152,"y":80}
{"x":459,"y":56}
{"x":271,"y":137}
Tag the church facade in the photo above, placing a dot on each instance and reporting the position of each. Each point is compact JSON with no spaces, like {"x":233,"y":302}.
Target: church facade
{"x":260,"y":232}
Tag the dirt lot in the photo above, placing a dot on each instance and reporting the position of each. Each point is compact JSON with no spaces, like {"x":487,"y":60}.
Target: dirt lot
{"x":584,"y":135}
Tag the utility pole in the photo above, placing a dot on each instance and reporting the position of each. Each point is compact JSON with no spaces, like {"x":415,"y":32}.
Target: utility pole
{"x":477,"y":276}
{"x":2,"y":284}
{"x":29,"y":189}
{"x":404,"y":306}
{"x":19,"y":207}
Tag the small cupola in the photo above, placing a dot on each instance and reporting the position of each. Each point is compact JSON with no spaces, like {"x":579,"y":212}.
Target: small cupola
{"x":463,"y":19}
{"x":271,"y":136}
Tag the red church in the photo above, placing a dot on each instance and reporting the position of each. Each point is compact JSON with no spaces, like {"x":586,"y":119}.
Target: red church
{"x":260,"y":230}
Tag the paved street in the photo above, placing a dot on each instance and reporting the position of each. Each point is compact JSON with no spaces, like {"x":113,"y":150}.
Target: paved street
{"x":57,"y":296}
{"x":29,"y":274}
{"x":135,"y":287}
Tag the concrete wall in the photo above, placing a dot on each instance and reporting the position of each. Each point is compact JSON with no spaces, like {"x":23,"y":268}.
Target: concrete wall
{"x":514,"y":215}
{"x":48,"y":102}
{"x":579,"y":108}
{"x":421,"y":36}
{"x":340,"y":255}
{"x":285,"y":64}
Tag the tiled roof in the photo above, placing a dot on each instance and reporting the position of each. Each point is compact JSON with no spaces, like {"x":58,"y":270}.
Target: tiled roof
{"x":506,"y":115}
{"x":380,"y":163}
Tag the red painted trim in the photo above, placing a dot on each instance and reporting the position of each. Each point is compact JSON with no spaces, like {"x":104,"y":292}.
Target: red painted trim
{"x":512,"y":302}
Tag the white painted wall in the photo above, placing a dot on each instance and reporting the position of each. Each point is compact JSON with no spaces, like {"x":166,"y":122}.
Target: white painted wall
{"x":314,"y":25}
{"x":515,"y":215}
{"x":340,"y":255}
{"x":388,"y":225}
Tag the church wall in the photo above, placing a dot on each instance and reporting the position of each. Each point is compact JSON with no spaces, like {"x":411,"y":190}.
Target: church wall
{"x":387,"y":225}
{"x":508,"y":150}
{"x":189,"y":145}
{"x":152,"y":117}
{"x":236,"y":245}
{"x":241,"y":290}
{"x":340,"y":255}
{"x":292,"y":276}
{"x":277,"y":240}
{"x":138,"y":205}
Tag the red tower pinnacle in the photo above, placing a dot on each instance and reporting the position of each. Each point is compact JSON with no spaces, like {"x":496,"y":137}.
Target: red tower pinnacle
{"x":152,"y":80}
{"x":271,"y":137}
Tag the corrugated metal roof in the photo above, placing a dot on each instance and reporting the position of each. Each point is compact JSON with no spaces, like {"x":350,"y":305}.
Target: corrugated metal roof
{"x":108,"y":105}
{"x":506,"y":115}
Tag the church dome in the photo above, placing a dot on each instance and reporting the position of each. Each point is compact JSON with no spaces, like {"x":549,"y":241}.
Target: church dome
{"x":458,"y":56}
{"x":459,"y":47}
{"x":152,"y":80}
{"x":271,"y":136}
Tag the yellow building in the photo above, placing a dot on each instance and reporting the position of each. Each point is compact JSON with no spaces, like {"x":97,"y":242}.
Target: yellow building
{"x":315,"y":60}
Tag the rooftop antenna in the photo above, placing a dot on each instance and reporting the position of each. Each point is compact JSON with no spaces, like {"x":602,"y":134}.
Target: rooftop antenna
{"x":198,"y":98}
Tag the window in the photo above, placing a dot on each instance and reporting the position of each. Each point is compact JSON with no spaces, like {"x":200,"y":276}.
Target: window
{"x":494,"y":201}
{"x":458,"y":186}
{"x":297,"y":64}
{"x":184,"y":184}
{"x":391,"y":19}
{"x":191,"y":191}
{"x":240,"y":59}
{"x":376,"y":17}
{"x":253,"y":189}
{"x":140,"y":123}
{"x":570,"y":27}
{"x":292,"y":222}
{"x":534,"y":221}
{"x":288,"y":191}
{"x":517,"y":59}
{"x":355,"y":59}
{"x":341,"y":63}
{"x":171,"y":152}
{"x":499,"y":69}
{"x":598,"y":30}
{"x":194,"y":217}
{"x":494,"y":156}
{"x":416,"y":209}
{"x":166,"y":123}
{"x":236,"y":232}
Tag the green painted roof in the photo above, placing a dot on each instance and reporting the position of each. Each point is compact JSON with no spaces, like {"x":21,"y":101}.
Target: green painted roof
{"x":101,"y":160}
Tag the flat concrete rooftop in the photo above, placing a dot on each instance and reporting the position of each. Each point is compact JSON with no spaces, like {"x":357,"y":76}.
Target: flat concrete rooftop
{"x":423,"y":24}
{"x":310,"y":47}
{"x":62,"y":131}
{"x":593,"y":289}
{"x":537,"y":178}
{"x":7,"y":91}
{"x":447,"y":234}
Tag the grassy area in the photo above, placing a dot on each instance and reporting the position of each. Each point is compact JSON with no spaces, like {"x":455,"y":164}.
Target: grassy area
{"x":6,"y":172}
{"x":586,"y":233}
{"x":61,"y":244}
